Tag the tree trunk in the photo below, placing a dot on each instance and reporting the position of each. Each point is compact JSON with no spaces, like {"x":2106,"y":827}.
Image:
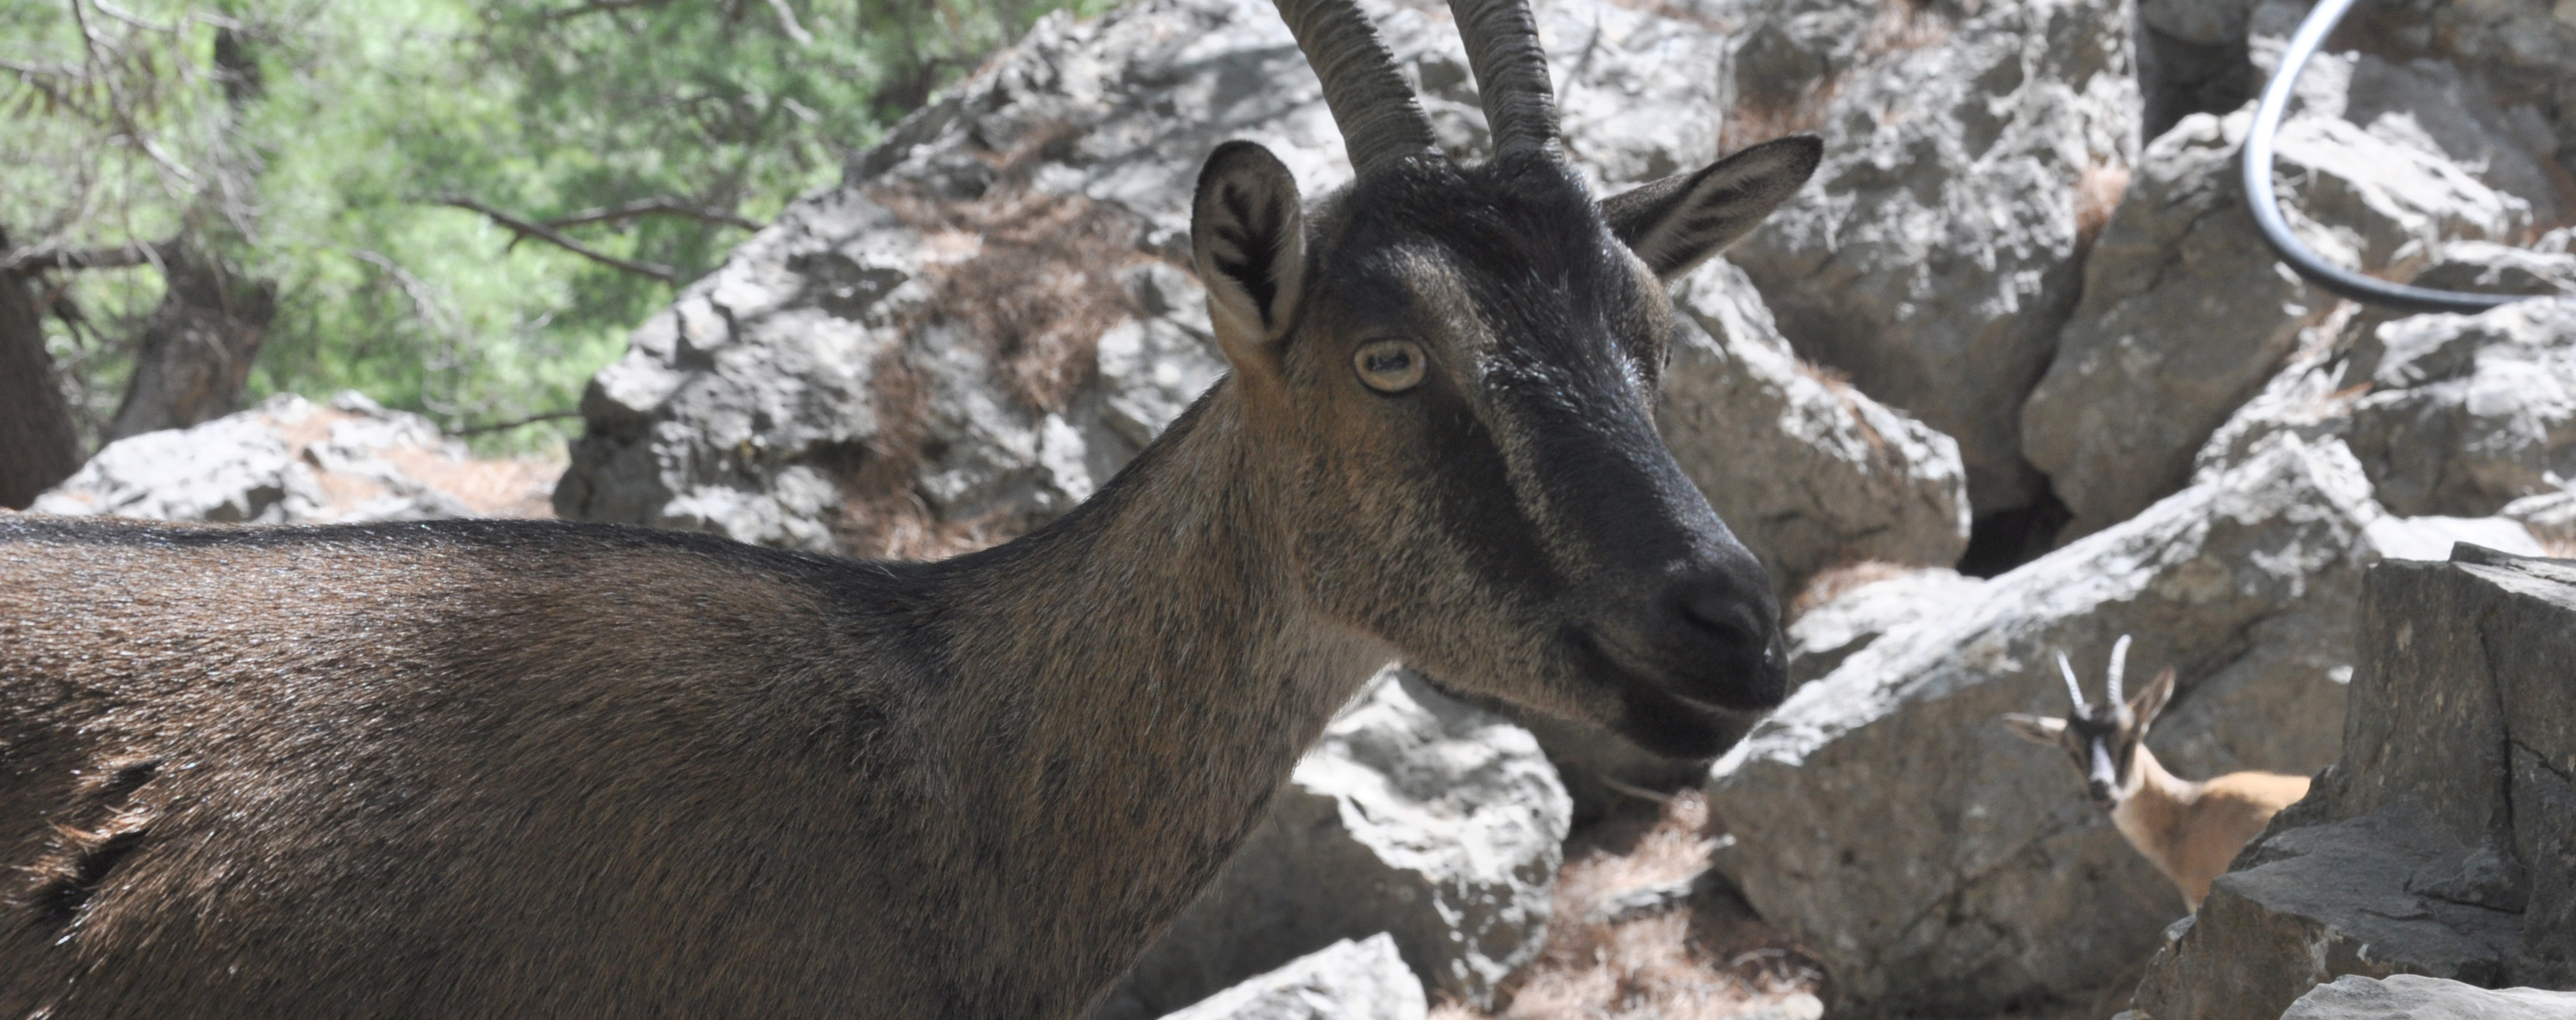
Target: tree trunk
{"x":39,"y":445}
{"x":197,"y":347}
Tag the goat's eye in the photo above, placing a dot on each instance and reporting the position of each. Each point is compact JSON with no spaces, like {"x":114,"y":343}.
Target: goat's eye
{"x":1390,"y":366}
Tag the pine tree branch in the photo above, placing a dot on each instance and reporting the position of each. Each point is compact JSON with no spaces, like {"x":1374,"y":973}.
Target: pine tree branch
{"x":651,"y":207}
{"x":596,"y":6}
{"x":527,"y":229}
{"x":30,"y":261}
{"x":503,"y":426}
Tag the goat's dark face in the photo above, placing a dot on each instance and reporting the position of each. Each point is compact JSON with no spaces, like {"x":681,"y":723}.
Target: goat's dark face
{"x":1458,"y":376}
{"x":2103,"y":744}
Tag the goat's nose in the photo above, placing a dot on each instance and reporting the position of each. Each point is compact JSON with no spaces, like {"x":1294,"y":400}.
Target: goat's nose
{"x":2100,"y":790}
{"x":1713,"y":607}
{"x":1722,"y":624}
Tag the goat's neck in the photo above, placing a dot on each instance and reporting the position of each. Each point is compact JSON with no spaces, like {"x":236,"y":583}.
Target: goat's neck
{"x":1145,"y":672}
{"x":2155,"y":812}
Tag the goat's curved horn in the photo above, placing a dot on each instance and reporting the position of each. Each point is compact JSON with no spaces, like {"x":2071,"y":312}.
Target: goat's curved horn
{"x":1511,"y":71}
{"x":1380,"y":120}
{"x":2073,"y":690}
{"x":2119,"y":661}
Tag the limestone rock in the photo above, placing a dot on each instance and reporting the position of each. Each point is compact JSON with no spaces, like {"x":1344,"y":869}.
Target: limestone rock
{"x":1436,"y":822}
{"x":2469,"y":413}
{"x":2521,"y":57}
{"x":2550,"y":516}
{"x":2327,"y":900}
{"x":2509,"y":148}
{"x":288,"y":461}
{"x":1364,"y":980}
{"x":1937,"y":250}
{"x":1937,"y":865}
{"x":1846,"y":622}
{"x":2186,"y":314}
{"x":2543,"y":269}
{"x":2407,"y":997}
{"x":2440,"y":844}
{"x":2449,"y":414}
{"x":1807,"y":471}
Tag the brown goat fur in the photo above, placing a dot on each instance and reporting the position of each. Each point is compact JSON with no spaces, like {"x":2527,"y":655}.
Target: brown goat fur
{"x":525,"y":768}
{"x":649,"y":772}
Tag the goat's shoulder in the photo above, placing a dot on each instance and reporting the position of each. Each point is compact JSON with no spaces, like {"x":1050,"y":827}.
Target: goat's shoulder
{"x":2263,"y":792}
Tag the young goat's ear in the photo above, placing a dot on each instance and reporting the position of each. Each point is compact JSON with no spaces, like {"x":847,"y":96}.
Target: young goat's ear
{"x":2037,"y":729}
{"x":1248,"y":236}
{"x":2144,"y":707}
{"x":1678,"y":222}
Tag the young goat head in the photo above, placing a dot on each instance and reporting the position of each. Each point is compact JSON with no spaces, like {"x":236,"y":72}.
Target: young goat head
{"x":2106,"y":740}
{"x":1457,"y":368}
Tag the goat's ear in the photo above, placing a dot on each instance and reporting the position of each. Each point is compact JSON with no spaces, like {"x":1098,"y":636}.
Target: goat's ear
{"x":1248,"y":236}
{"x":2144,"y":707}
{"x":1676,"y":223}
{"x":2037,"y":729}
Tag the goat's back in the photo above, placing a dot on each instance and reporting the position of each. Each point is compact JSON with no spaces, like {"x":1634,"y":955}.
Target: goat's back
{"x":357,"y":771}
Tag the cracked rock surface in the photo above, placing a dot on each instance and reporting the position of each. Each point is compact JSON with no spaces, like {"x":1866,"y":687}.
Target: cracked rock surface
{"x":291,"y":461}
{"x":2186,"y":314}
{"x":1934,"y":255}
{"x":2443,"y":842}
{"x":1936,"y":863}
{"x":1363,"y":980}
{"x":1436,"y":822}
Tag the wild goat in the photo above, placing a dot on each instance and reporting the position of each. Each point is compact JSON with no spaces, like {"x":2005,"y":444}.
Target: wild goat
{"x":489,"y":768}
{"x":2190,"y":831}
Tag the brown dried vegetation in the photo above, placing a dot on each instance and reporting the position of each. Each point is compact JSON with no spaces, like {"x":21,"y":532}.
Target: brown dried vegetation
{"x":2097,"y":196}
{"x":1041,"y":284}
{"x":1701,"y":962}
{"x":1898,"y":26}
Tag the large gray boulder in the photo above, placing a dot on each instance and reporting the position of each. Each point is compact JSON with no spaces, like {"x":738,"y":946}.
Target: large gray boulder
{"x":1936,"y":864}
{"x":1970,"y":152}
{"x":2509,"y":148}
{"x":1850,"y":619}
{"x":2186,"y":313}
{"x":2469,"y":413}
{"x":1808,"y":472}
{"x":2409,"y":997}
{"x":2550,"y":516}
{"x":2516,"y":59}
{"x":2449,"y":414}
{"x":2443,"y":843}
{"x":291,"y":461}
{"x":1417,"y":815}
{"x":1364,"y":980}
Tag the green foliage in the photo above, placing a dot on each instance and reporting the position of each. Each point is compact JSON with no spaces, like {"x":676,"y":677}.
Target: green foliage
{"x":336,"y":147}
